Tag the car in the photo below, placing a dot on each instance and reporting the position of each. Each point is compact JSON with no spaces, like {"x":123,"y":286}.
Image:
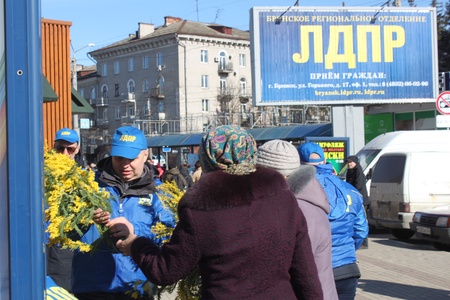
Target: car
{"x":433,"y":225}
{"x":162,"y":160}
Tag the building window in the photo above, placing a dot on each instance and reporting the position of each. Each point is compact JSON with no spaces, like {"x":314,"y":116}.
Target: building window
{"x":116,"y":67}
{"x":222,"y":60}
{"x":131,"y":86}
{"x":145,"y":86}
{"x":117,"y":112}
{"x":116,"y":90}
{"x":131,"y":111}
{"x":161,"y":106}
{"x":105,"y":92}
{"x":131,"y":64}
{"x":145,"y":62}
{"x":159,"y":59}
{"x":204,"y":56}
{"x":242,"y":86}
{"x":160,"y":85}
{"x":93,"y":94}
{"x":105,"y":114}
{"x":81,"y":91}
{"x":205,"y":81}
{"x":223,"y":85}
{"x":243,"y":108}
{"x":205,"y":105}
{"x":242,"y":60}
{"x":104,"y":69}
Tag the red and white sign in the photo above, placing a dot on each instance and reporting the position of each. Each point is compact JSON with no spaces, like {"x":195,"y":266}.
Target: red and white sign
{"x":443,"y":103}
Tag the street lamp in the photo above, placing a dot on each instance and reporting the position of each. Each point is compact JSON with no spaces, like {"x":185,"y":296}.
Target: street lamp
{"x":74,"y":64}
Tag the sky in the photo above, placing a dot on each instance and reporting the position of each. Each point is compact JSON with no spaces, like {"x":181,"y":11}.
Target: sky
{"x":103,"y":22}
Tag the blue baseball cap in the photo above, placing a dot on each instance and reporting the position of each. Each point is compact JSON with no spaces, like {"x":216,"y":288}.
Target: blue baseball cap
{"x":68,"y":135}
{"x":128,"y":142}
{"x":306,"y":149}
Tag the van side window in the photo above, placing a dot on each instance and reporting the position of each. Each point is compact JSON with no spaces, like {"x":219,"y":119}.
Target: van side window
{"x":389,"y":168}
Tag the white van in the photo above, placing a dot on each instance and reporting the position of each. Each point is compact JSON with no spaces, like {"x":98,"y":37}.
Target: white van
{"x":398,"y":141}
{"x":404,"y":182}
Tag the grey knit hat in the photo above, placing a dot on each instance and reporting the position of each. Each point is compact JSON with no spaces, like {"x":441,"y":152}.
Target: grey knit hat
{"x":279,"y":155}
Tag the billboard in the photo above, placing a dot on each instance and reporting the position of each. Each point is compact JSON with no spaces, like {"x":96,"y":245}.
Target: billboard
{"x":345,"y":55}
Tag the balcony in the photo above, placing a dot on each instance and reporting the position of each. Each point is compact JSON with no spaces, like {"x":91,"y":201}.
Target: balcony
{"x":225,"y":68}
{"x":102,"y":102}
{"x":130,"y":98}
{"x":225,"y":94}
{"x":245,"y":95}
{"x":157,"y":93}
{"x":128,"y":119}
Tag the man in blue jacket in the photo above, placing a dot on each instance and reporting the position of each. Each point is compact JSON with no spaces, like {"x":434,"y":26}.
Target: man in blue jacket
{"x":347,"y":218}
{"x":106,"y":273}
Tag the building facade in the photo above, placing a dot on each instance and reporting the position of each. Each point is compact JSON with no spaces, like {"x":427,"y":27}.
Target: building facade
{"x":177,"y":78}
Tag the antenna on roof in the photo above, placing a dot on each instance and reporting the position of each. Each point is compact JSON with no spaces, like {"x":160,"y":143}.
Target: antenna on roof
{"x":196,"y":3}
{"x":217,"y":15}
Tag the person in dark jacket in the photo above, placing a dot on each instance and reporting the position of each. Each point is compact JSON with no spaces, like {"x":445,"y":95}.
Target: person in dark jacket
{"x":106,"y":273}
{"x":355,"y":176}
{"x":184,"y":171}
{"x":240,"y":224}
{"x":174,"y":174}
{"x":312,"y":200}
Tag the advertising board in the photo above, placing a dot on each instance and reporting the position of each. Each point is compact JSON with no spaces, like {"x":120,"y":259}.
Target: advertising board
{"x":335,"y":150}
{"x":345,"y":55}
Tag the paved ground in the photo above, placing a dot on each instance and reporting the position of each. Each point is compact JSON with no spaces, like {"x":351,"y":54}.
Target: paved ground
{"x":392,"y":269}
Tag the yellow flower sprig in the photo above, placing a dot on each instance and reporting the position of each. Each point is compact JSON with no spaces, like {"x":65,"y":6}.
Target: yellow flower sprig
{"x":71,"y":196}
{"x":188,"y":288}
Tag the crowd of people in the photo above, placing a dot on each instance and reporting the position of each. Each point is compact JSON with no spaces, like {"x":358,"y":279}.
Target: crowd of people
{"x":267,"y":222}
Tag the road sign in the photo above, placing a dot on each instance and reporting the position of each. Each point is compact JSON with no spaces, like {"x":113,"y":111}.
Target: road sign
{"x":166,"y":149}
{"x":85,"y":123}
{"x":443,"y":103}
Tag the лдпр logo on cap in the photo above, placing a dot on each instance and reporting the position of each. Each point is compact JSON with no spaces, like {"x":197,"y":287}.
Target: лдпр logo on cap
{"x":127,"y":138}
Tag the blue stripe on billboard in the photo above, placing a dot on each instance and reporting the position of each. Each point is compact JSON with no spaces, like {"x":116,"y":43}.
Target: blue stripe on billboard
{"x":352,"y":56}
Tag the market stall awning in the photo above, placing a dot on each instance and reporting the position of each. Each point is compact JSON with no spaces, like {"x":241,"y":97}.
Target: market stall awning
{"x":48,"y":93}
{"x":260,"y":135}
{"x":79,"y":104}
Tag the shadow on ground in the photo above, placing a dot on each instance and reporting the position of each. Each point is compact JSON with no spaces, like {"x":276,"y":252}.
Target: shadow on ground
{"x":401,"y":291}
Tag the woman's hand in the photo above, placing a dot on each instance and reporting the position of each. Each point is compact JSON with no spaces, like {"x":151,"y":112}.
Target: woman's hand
{"x":101,"y":217}
{"x":123,"y":230}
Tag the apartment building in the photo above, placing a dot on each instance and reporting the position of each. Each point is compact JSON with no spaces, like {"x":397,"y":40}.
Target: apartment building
{"x":176,"y":78}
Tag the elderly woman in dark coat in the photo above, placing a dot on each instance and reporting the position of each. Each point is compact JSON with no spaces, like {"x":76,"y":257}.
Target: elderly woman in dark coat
{"x":240,"y":224}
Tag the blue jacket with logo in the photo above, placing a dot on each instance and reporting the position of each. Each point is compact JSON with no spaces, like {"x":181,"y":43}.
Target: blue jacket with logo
{"x":347,"y":217}
{"x":106,"y":269}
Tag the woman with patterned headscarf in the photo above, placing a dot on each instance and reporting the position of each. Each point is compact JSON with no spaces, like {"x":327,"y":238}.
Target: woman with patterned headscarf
{"x":240,"y":224}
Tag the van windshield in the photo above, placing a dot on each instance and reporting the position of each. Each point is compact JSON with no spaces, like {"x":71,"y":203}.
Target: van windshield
{"x":365,"y":158}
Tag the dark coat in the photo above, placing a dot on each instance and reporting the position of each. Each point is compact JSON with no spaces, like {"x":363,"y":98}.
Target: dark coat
{"x":357,"y":178}
{"x":246,"y":233}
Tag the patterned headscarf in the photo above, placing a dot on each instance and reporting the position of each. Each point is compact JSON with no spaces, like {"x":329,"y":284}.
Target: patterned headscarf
{"x":228,"y":148}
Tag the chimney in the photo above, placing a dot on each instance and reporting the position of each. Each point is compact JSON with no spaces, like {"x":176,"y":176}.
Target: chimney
{"x":222,"y":29}
{"x":145,"y":29}
{"x":170,"y":20}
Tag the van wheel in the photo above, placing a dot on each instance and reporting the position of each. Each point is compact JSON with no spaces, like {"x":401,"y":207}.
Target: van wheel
{"x":402,"y":234}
